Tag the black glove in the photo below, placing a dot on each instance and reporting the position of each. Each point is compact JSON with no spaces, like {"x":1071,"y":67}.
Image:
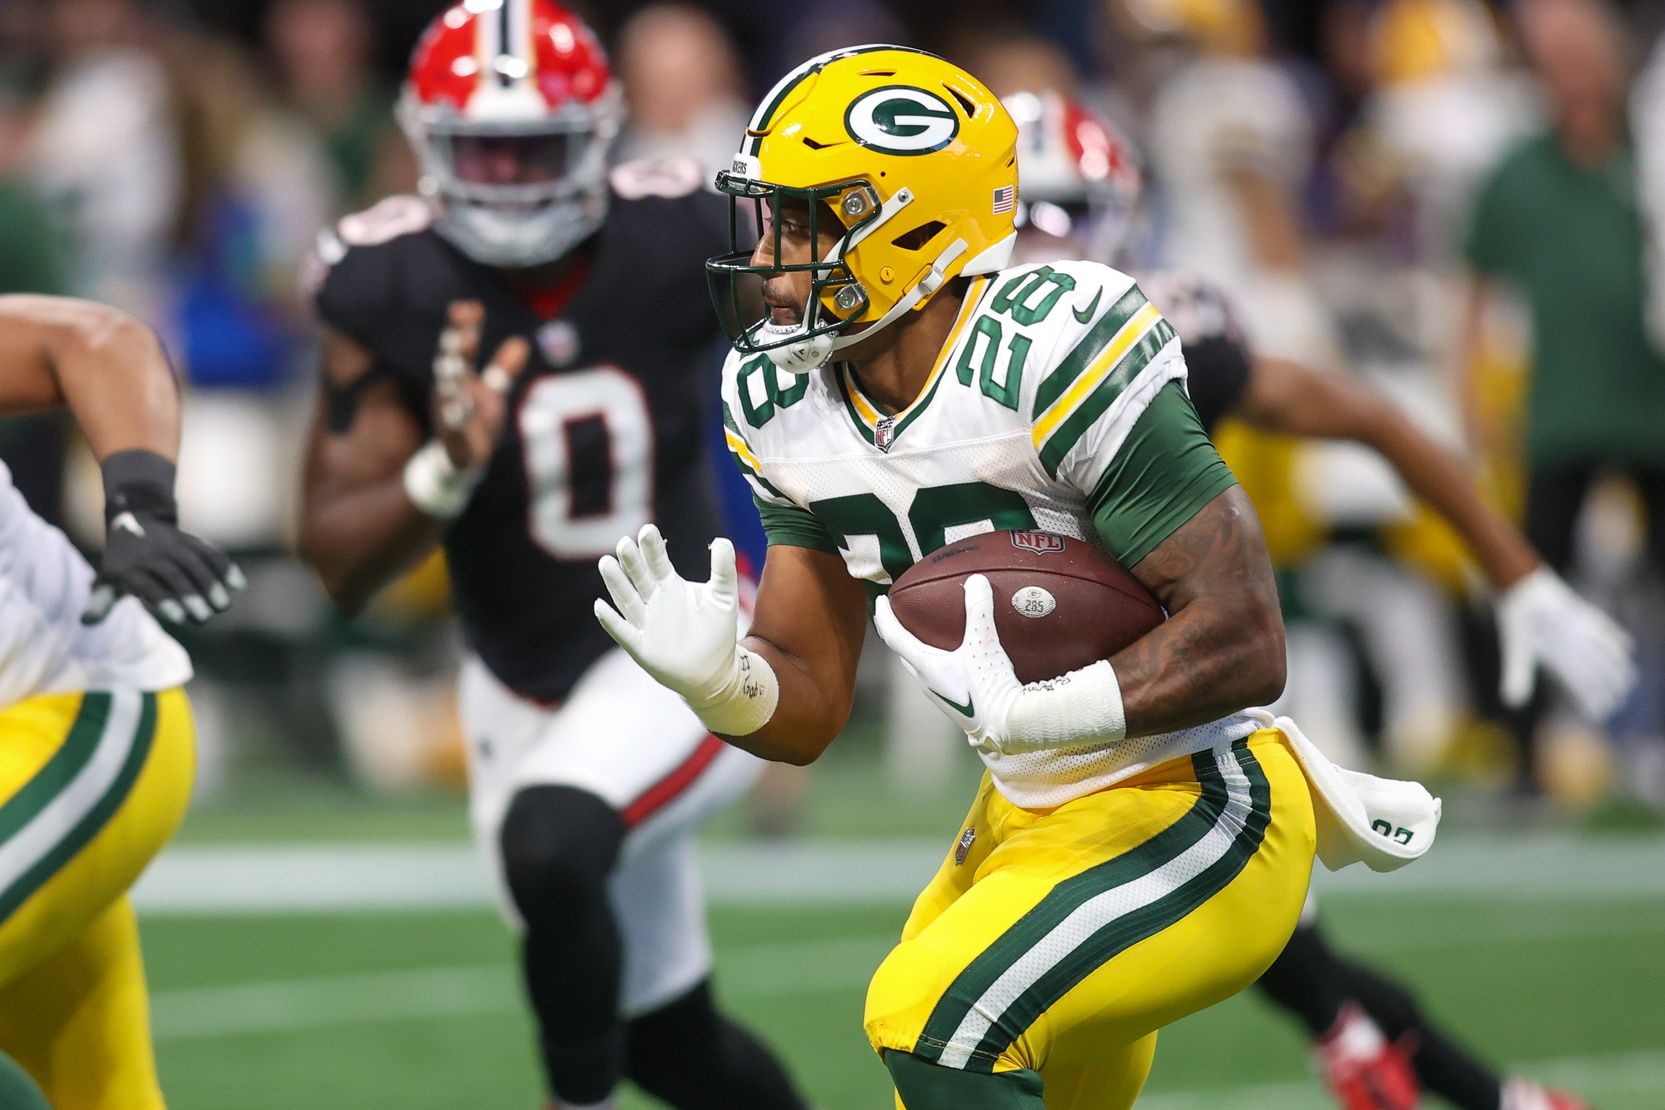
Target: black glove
{"x":146,"y":554}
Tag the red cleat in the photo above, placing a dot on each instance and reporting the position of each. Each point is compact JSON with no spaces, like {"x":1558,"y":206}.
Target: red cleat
{"x":1362,"y":1069}
{"x":1524,"y":1094}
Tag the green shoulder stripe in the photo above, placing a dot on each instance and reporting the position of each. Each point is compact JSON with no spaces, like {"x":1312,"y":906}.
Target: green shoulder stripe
{"x":1093,"y":405}
{"x":1070,"y":367}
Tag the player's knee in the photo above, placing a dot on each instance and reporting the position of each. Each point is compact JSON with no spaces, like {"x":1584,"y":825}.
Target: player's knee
{"x":559,"y":845}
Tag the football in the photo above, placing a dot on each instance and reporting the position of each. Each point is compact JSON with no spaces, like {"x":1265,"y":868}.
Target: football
{"x":1059,"y":603}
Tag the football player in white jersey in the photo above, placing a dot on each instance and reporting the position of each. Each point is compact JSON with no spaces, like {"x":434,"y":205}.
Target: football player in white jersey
{"x":96,"y":740}
{"x":1142,"y":842}
{"x":1372,"y":1043}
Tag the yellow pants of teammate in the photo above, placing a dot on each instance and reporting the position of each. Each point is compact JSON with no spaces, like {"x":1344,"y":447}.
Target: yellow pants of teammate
{"x":91,"y":786}
{"x":1060,"y":941}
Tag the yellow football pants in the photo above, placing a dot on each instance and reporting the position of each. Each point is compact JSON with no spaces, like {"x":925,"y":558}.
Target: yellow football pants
{"x":1061,"y":940}
{"x":91,"y":786}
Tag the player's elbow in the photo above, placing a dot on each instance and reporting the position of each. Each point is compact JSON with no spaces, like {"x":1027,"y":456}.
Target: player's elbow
{"x":798,"y":738}
{"x":1264,"y":669}
{"x":107,"y":333}
{"x":800,"y":746}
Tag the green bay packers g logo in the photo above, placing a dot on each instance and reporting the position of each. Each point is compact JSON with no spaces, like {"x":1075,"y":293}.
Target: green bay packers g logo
{"x":900,"y":119}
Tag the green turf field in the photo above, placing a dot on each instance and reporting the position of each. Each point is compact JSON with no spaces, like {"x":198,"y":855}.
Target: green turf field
{"x":1559,"y":970}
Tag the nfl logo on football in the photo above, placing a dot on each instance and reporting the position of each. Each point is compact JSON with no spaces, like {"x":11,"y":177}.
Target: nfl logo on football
{"x":1041,"y":543}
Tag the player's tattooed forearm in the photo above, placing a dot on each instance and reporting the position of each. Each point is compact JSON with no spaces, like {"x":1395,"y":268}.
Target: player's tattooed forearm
{"x":1222,"y":646}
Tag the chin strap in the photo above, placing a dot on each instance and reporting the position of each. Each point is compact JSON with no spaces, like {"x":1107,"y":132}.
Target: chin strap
{"x":811,"y":354}
{"x":925,"y":287}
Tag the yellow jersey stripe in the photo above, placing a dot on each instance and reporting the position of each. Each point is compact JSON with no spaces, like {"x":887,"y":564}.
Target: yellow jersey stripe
{"x":738,"y":446}
{"x":1133,"y":331}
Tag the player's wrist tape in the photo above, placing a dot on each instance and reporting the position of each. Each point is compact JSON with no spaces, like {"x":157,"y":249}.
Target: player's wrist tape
{"x":138,"y":481}
{"x":744,"y":699}
{"x":436,"y":485}
{"x":1082,"y":707}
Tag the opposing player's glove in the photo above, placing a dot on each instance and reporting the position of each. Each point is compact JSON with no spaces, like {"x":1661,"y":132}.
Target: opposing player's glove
{"x":975,"y":686}
{"x":685,"y":634}
{"x":469,"y":412}
{"x":146,"y":554}
{"x":1541,"y":621}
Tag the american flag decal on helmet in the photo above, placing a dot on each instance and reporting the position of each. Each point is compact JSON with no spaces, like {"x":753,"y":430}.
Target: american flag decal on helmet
{"x":1005,"y":199}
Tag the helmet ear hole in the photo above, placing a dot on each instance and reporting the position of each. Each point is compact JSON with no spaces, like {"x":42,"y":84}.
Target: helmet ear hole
{"x":965,"y":102}
{"x":919,"y":236}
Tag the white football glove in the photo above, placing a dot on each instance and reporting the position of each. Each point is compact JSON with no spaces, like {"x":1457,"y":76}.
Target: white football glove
{"x":1541,"y":621}
{"x":685,"y":633}
{"x":975,"y":686}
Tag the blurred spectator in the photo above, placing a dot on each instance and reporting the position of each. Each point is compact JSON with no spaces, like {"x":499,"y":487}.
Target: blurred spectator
{"x":1648,"y":111}
{"x":684,"y":87}
{"x":1558,"y":221}
{"x":1012,"y":62}
{"x":33,"y":259}
{"x":1230,"y":138}
{"x":816,"y":26}
{"x":32,"y":447}
{"x":321,"y":53}
{"x":258,"y":186}
{"x":106,"y":152}
{"x":1441,"y":109}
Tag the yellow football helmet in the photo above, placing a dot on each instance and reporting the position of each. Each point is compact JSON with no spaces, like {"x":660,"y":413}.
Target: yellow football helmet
{"x":916,"y":160}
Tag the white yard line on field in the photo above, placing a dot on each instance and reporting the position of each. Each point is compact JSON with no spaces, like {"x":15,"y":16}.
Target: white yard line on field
{"x":784,"y":968}
{"x":264,"y":879}
{"x":319,"y":1001}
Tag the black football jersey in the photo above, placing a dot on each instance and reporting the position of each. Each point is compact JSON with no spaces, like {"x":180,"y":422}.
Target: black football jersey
{"x":606,"y":427}
{"x":1216,"y":355}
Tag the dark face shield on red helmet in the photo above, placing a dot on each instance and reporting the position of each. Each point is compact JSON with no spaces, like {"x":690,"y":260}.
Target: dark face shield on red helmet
{"x":513,"y":159}
{"x":515,"y":192}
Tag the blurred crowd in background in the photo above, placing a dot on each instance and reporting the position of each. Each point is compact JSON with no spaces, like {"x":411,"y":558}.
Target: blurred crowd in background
{"x":1356,"y":172}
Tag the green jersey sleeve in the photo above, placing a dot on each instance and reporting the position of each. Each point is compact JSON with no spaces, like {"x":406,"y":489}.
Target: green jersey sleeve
{"x":785,"y":523}
{"x":791,"y":526}
{"x":1165,"y":471}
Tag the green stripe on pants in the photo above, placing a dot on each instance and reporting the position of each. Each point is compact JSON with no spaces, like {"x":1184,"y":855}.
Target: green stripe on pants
{"x":88,"y":826}
{"x":1124,"y":931}
{"x":1028,"y":931}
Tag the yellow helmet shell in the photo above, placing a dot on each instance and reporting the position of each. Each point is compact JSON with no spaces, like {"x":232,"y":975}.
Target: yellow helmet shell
{"x":911,"y":134}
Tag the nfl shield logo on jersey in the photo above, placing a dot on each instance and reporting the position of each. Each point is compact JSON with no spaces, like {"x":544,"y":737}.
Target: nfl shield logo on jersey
{"x":558,"y":340}
{"x":963,"y":848}
{"x":883,"y":433}
{"x":1041,"y":543}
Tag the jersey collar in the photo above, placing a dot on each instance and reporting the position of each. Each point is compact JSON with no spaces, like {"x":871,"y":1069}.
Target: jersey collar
{"x":881,"y":430}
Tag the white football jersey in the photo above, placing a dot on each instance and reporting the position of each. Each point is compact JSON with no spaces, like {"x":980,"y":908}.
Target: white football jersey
{"x":44,"y":647}
{"x":1045,"y":373}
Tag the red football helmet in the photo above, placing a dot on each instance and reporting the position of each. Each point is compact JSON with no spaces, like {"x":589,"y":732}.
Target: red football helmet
{"x":511,"y":107}
{"x":1078,"y":179}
